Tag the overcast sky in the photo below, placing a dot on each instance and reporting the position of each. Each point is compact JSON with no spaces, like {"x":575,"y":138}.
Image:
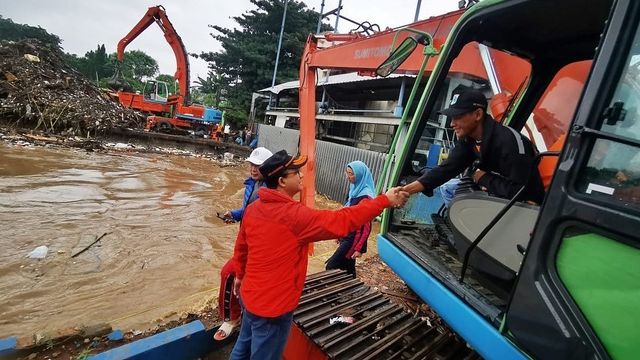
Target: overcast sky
{"x":83,"y":24}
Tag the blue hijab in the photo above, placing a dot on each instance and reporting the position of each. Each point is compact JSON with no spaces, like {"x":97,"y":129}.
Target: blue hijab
{"x":364,"y":184}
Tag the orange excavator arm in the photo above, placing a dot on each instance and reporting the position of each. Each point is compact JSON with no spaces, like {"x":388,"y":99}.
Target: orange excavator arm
{"x":354,"y":52}
{"x":158,"y":15}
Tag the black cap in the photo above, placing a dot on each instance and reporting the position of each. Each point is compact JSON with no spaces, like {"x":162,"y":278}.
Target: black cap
{"x":465,"y":102}
{"x":276,"y":165}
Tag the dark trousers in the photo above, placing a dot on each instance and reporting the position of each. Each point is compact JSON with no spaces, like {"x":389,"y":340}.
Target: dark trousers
{"x":339,"y":259}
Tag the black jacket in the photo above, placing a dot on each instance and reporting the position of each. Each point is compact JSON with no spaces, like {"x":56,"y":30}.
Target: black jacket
{"x":506,"y":156}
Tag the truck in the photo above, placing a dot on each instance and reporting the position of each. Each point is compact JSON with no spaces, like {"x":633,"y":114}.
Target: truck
{"x":515,"y":280}
{"x":168,"y":111}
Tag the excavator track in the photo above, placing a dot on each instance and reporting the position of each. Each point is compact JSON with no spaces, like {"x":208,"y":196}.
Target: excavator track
{"x":348,"y":320}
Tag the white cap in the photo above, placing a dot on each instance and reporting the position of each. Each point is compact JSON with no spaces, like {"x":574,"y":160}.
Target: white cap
{"x":259,"y":155}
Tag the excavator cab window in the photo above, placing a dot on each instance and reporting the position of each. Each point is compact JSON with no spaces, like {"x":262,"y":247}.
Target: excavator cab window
{"x":612,"y":171}
{"x":156,"y":91}
{"x":437,"y":137}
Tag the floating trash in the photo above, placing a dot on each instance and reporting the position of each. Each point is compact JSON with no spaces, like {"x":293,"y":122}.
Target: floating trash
{"x":39,"y":253}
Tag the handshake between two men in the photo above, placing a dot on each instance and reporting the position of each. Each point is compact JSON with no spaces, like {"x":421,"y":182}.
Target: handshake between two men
{"x":397,"y":196}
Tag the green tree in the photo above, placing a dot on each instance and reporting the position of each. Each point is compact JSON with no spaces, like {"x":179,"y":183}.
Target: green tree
{"x":245,"y":63}
{"x":136,"y":65}
{"x":94,"y":64}
{"x":99,"y":62}
{"x":203,"y":98}
{"x":133,"y":70}
{"x":78,"y":63}
{"x":212,"y":88}
{"x":16,"y":32}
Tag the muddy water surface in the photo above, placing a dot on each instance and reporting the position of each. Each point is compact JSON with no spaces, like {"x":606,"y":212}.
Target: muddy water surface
{"x":163,"y":249}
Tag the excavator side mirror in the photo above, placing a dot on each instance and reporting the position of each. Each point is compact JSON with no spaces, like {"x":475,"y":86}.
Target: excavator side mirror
{"x":397,"y":57}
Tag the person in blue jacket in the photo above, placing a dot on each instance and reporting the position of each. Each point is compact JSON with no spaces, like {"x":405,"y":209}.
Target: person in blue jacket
{"x":228,"y":304}
{"x":254,"y":143}
{"x":352,"y":246}
{"x":251,"y":184}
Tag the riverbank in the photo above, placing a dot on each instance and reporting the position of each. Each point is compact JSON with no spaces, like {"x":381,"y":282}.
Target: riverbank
{"x":129,"y":141}
{"x":74,"y":346}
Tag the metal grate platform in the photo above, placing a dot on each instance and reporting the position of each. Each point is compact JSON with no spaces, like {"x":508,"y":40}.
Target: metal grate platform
{"x":381,"y":330}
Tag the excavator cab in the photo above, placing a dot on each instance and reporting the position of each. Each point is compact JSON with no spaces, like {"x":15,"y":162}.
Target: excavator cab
{"x":564,"y":284}
{"x":157,"y":91}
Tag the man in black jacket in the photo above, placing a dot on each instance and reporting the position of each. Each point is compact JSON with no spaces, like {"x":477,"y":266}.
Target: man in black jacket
{"x":506,"y":157}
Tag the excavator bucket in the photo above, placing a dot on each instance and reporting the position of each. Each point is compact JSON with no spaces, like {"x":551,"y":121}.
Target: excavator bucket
{"x":117,"y":81}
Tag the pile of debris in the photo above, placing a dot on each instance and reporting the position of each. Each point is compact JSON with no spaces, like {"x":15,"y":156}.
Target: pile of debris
{"x":39,"y":90}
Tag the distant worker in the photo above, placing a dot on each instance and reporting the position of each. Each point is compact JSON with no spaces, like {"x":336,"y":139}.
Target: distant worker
{"x":214,"y":132}
{"x":247,"y":136}
{"x":352,"y":246}
{"x":228,"y":304}
{"x":271,"y":252}
{"x":151,"y":94}
{"x":506,"y":157}
{"x":226,"y":132}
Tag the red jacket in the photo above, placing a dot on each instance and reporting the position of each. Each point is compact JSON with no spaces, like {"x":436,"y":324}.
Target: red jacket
{"x":272,"y":246}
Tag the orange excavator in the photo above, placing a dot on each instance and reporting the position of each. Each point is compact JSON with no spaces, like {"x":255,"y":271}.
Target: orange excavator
{"x":168,"y":111}
{"x":500,"y":75}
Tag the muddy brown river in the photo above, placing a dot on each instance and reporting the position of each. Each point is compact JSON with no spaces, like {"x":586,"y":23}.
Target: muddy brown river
{"x":163,"y":249}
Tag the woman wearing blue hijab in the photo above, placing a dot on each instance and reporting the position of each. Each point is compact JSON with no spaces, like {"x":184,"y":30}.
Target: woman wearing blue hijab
{"x":352,"y":246}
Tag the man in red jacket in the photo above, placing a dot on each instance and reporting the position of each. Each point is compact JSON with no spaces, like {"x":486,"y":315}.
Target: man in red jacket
{"x":271,"y":252}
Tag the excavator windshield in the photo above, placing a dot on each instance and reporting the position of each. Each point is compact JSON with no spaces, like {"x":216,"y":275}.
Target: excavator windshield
{"x":156,"y":91}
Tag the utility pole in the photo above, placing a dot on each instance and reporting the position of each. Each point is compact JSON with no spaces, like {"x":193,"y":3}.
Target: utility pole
{"x":415,"y":18}
{"x":335,"y":28}
{"x":275,"y":68}
{"x":320,"y":17}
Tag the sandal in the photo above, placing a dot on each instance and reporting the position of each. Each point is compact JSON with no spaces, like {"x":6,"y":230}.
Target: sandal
{"x":226,"y":329}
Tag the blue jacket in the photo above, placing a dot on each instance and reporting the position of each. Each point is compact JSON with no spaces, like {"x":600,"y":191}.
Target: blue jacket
{"x":251,"y":185}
